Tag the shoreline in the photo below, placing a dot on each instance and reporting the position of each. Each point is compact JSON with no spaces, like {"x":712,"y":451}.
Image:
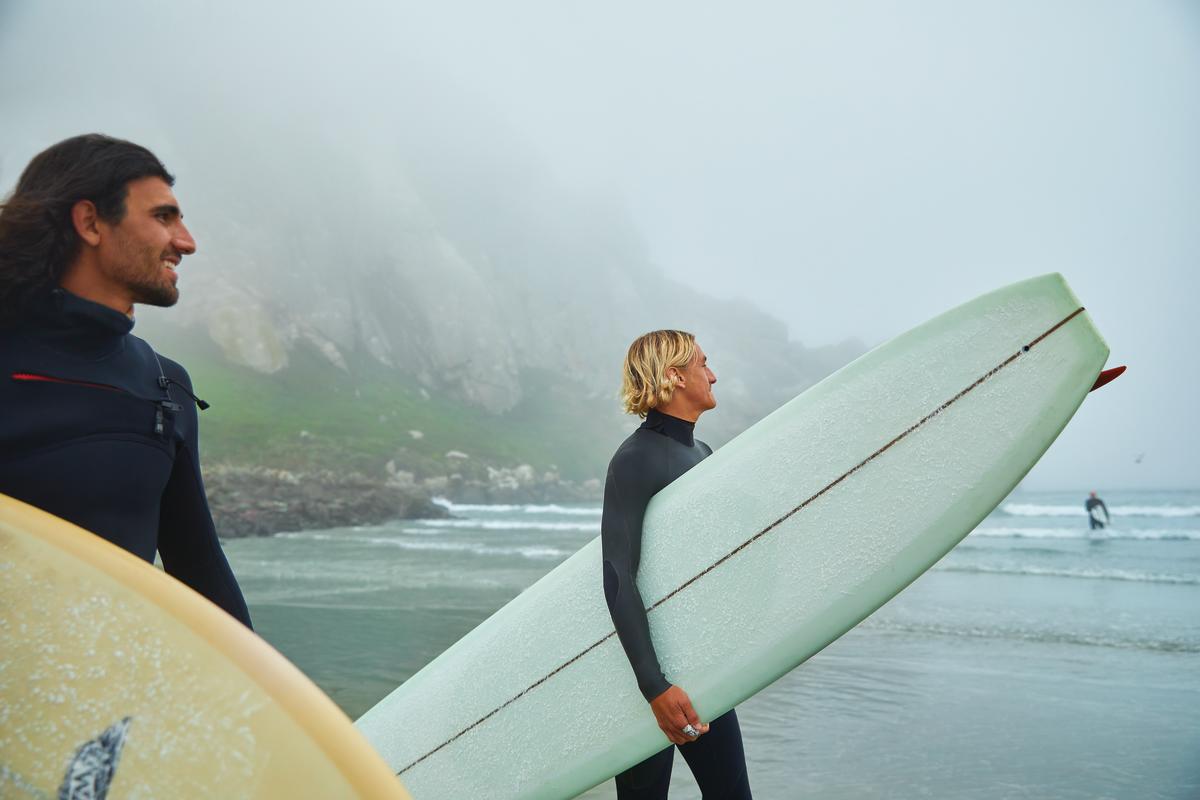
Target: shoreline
{"x":262,"y":501}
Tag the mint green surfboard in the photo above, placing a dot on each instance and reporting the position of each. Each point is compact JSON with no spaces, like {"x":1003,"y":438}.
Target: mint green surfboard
{"x":783,"y":540}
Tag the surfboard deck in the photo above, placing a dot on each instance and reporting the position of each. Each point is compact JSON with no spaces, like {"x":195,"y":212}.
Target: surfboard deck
{"x":757,"y":558}
{"x":115,"y":678}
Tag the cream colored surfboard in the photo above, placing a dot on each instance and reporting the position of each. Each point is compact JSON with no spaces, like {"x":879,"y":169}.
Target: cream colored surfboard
{"x":117,"y":680}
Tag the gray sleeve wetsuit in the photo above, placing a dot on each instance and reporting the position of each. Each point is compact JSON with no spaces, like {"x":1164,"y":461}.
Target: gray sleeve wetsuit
{"x":657,"y":453}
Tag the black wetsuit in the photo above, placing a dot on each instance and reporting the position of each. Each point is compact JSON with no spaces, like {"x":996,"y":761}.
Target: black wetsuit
{"x":1091,"y":503}
{"x":98,"y":429}
{"x":658,"y":452}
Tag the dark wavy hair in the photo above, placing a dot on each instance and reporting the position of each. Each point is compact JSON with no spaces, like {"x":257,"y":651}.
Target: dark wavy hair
{"x":37,"y":236}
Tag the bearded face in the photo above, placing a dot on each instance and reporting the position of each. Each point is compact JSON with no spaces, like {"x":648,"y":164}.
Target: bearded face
{"x":146,"y":270}
{"x":139,"y":255}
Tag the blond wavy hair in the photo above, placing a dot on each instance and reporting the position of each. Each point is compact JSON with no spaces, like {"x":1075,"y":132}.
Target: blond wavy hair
{"x":644,"y":381}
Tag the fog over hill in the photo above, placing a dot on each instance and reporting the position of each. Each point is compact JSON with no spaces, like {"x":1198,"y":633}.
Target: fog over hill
{"x":462,"y":285}
{"x":359,"y":248}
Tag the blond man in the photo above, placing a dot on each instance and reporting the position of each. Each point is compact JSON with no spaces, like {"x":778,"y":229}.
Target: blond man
{"x":668,"y":382}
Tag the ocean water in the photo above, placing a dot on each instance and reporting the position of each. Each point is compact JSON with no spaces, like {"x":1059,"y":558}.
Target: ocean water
{"x":1036,"y":660}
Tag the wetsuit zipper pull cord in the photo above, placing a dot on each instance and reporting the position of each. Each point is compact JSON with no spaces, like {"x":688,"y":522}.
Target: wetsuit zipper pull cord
{"x":166,"y":382}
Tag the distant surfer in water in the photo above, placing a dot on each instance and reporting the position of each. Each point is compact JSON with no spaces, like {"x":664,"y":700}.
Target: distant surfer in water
{"x":95,"y":426}
{"x":1095,"y":508}
{"x":667,"y":381}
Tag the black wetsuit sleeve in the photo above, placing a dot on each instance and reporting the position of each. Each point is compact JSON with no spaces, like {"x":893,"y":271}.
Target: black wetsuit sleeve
{"x":632,"y":480}
{"x":187,"y":538}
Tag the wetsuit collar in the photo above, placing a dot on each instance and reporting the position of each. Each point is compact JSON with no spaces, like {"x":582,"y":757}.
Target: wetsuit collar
{"x":678,"y":429}
{"x":67,"y":320}
{"x":76,"y":311}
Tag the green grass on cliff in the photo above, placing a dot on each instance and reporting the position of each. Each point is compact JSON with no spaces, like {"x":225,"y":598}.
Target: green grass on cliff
{"x":312,"y":415}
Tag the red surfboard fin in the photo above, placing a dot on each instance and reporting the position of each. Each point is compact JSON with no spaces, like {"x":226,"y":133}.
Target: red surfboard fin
{"x":1107,"y":376}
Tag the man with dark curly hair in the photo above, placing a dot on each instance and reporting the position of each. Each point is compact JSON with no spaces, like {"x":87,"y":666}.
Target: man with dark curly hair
{"x":95,"y":426}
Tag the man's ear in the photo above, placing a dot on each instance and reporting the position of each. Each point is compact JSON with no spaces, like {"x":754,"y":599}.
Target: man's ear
{"x":86,"y":221}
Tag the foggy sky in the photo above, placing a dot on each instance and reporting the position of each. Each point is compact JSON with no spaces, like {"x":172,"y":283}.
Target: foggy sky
{"x":852,"y":168}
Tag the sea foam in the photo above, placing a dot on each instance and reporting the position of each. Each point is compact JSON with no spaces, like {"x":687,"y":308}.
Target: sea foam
{"x":1084,"y":573}
{"x":499,"y":508}
{"x":510,"y":525}
{"x":1036,"y":510}
{"x":1147,"y":534}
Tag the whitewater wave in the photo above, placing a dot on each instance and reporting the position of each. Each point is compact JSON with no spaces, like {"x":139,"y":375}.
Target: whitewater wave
{"x":1148,"y":534}
{"x":1114,"y":640}
{"x":526,"y":551}
{"x":1084,"y":573}
{"x":552,"y":508}
{"x":1036,"y":510}
{"x":306,"y":593}
{"x":509,"y":525}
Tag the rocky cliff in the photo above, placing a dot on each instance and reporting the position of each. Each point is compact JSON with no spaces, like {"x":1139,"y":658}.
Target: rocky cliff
{"x":404,"y":299}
